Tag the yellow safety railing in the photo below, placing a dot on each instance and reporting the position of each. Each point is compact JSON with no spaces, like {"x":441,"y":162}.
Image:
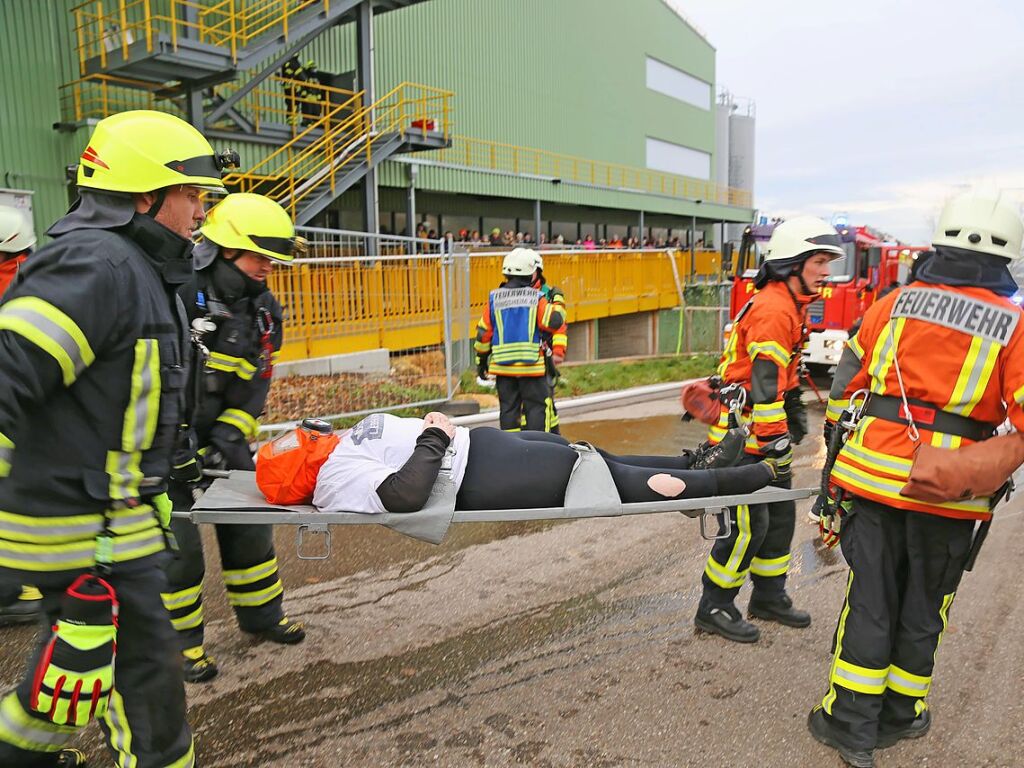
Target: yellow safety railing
{"x":103,"y":26}
{"x":397,"y":304}
{"x":346,"y":133}
{"x":280,"y":100}
{"x":96,"y":96}
{"x":509,"y":158}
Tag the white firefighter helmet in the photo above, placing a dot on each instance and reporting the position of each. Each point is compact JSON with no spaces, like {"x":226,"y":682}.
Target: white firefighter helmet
{"x":795,"y":239}
{"x":792,"y":243}
{"x":985,"y":223}
{"x":16,"y":233}
{"x":520,"y":261}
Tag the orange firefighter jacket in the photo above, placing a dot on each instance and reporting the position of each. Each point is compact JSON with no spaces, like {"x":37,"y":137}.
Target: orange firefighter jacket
{"x":961,"y":350}
{"x":763,"y":356}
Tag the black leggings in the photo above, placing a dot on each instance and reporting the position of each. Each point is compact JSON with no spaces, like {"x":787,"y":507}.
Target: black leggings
{"x":525,"y":470}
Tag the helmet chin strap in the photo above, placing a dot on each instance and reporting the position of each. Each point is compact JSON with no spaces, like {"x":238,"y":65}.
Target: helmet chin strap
{"x":798,"y":272}
{"x":154,"y":209}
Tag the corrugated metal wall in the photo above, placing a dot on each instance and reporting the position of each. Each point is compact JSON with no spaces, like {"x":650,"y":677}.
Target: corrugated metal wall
{"x":35,"y":55}
{"x":563,"y":75}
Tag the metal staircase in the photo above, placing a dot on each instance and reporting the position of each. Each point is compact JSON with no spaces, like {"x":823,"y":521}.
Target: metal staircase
{"x":216,"y":63}
{"x":333,"y":153}
{"x":200,"y":41}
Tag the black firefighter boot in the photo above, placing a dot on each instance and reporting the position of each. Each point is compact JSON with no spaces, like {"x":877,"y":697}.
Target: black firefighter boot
{"x":777,"y":607}
{"x":727,"y":621}
{"x":917,"y":728}
{"x":823,"y":732}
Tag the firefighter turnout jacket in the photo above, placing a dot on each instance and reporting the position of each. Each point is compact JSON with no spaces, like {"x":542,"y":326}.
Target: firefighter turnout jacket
{"x":961,"y":353}
{"x":92,"y":376}
{"x":235,"y":382}
{"x":559,"y":340}
{"x":510,"y":330}
{"x":763,"y":356}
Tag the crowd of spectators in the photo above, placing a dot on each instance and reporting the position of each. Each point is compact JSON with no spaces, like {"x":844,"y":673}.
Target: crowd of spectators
{"x":510,"y":239}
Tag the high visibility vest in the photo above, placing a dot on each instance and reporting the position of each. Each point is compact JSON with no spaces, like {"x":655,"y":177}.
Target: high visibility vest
{"x":511,"y":327}
{"x":960,"y":349}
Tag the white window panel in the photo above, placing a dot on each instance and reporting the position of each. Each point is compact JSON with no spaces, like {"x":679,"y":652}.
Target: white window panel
{"x":675,"y":158}
{"x":678,"y":84}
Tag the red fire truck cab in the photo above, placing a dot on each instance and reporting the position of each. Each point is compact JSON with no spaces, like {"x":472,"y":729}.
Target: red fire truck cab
{"x":870,"y":265}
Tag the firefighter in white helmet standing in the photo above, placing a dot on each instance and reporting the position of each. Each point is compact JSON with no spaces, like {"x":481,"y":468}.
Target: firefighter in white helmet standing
{"x":509,"y":343}
{"x":943,"y":361}
{"x":760,"y":364}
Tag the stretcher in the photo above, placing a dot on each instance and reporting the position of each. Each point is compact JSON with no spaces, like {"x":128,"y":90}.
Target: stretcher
{"x":590,"y":492}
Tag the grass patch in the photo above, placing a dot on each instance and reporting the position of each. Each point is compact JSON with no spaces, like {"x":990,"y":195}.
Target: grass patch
{"x":588,"y":378}
{"x":294,"y":398}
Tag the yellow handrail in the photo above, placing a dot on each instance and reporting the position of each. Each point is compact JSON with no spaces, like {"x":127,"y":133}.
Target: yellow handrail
{"x":314,"y":156}
{"x":232,"y":24}
{"x":511,"y":158}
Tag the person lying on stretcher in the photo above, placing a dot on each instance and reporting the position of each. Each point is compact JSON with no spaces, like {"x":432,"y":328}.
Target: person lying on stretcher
{"x":389,"y":464}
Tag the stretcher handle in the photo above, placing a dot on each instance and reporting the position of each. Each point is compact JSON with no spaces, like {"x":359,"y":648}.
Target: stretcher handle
{"x":722,"y":518}
{"x":316,"y":529}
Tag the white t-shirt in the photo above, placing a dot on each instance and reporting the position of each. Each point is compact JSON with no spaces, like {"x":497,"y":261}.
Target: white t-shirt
{"x":375,"y":448}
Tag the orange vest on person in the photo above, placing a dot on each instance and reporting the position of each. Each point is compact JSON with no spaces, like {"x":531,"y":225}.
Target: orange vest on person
{"x":961,"y":349}
{"x":770,"y":326}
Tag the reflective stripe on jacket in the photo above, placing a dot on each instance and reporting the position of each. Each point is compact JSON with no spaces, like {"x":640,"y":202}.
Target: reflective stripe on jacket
{"x":960,"y":349}
{"x":92,"y":370}
{"x":511,"y":327}
{"x":763,"y":356}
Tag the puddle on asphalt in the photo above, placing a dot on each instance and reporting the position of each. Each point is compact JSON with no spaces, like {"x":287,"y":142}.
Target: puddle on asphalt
{"x":475,"y":662}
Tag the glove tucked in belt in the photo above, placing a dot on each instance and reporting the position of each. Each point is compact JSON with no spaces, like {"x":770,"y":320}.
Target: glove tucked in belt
{"x":75,"y":674}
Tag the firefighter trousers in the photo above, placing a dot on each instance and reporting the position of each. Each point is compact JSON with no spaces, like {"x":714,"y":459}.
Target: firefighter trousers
{"x":524,"y":396}
{"x":904,"y":571}
{"x":250,"y":573}
{"x":757,"y":545}
{"x":145,"y":722}
{"x":550,"y":410}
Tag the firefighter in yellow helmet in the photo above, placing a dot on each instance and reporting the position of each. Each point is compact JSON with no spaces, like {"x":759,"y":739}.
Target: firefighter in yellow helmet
{"x":245,"y":236}
{"x":943,"y":361}
{"x":92,"y":374}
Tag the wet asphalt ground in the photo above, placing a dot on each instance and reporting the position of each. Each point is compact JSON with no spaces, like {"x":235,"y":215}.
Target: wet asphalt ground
{"x":572,"y":644}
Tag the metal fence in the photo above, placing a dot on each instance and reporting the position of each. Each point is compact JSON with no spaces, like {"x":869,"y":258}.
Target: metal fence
{"x":419,"y":300}
{"x":340,"y":294}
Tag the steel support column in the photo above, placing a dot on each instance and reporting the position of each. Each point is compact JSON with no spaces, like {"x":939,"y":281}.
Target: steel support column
{"x":410,"y":207}
{"x":194,"y":99}
{"x":364,"y":80}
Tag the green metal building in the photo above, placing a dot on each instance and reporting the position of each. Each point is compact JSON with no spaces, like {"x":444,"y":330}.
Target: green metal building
{"x":603,"y":112}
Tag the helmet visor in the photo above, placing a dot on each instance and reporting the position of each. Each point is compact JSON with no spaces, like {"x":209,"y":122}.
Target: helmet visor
{"x":205,"y":166}
{"x":285,"y":248}
{"x":833,"y":240}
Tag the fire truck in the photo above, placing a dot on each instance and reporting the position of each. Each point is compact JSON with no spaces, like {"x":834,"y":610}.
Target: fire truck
{"x":870,"y":264}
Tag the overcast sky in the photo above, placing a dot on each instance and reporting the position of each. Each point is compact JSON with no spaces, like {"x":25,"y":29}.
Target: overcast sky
{"x":878,"y":108}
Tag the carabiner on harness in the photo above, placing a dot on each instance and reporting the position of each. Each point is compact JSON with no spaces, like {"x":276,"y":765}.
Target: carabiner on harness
{"x":265,"y":326}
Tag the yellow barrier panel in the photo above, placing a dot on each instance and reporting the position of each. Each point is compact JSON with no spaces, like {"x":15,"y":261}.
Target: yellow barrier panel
{"x":369,"y":303}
